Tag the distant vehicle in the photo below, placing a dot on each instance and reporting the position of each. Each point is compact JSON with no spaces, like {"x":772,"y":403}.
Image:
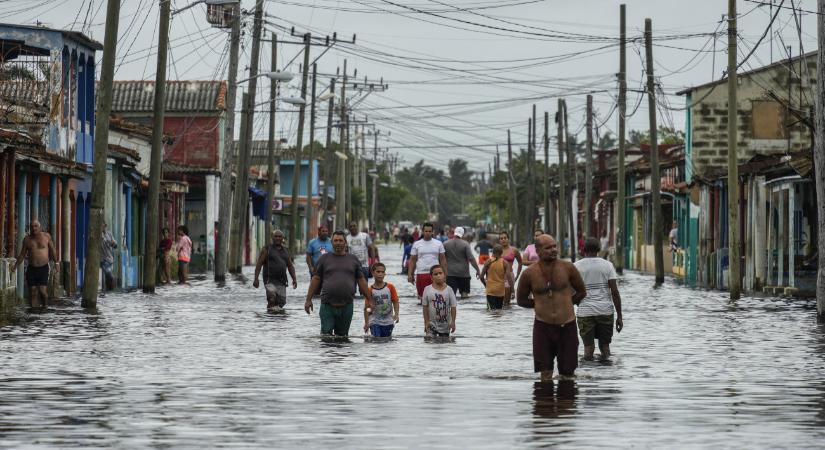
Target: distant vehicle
{"x":406,"y":224}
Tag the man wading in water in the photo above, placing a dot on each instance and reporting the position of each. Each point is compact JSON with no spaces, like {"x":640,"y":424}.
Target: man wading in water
{"x":275,"y":261}
{"x":556,"y":285}
{"x":38,"y":248}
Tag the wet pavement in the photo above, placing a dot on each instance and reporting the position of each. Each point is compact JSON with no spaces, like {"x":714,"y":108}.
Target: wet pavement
{"x":202,"y":366}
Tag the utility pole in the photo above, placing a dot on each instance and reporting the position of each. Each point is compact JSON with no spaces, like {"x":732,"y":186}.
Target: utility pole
{"x":620,"y":177}
{"x":350,"y":161}
{"x":531,"y":164}
{"x":573,"y":192}
{"x":341,"y":191}
{"x":270,"y":157}
{"x":374,"y":181}
{"x":225,"y":211}
{"x":296,"y":168}
{"x":310,"y":223}
{"x":330,"y":155}
{"x":155,"y":168}
{"x":548,"y":203}
{"x":242,"y":182}
{"x":563,"y":204}
{"x":655,"y":181}
{"x":512,"y":182}
{"x":588,"y":167}
{"x":735,"y":280}
{"x":101,"y":147}
{"x":236,"y":243}
{"x":819,"y":162}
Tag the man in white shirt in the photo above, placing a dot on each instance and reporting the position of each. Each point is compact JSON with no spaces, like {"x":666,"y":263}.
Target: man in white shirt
{"x":595,"y":313}
{"x":426,"y":252}
{"x":360,"y":246}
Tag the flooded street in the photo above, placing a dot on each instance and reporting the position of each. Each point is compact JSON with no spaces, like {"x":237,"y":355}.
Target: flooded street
{"x":207,"y":367}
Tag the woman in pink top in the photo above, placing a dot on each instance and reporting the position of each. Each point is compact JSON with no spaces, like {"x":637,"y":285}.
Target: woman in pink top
{"x":509,"y":254}
{"x":184,"y":254}
{"x":530,"y":255}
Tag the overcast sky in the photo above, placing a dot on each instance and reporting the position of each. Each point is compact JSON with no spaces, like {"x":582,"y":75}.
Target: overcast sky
{"x":460,"y":72}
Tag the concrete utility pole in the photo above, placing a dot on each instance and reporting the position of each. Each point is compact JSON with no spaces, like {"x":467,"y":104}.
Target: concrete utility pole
{"x":549,"y":213}
{"x":329,"y":156}
{"x":270,"y":156}
{"x":618,"y":261}
{"x":571,"y":168}
{"x":513,"y":197}
{"x":531,"y":164}
{"x":155,"y":168}
{"x":735,"y":280}
{"x":341,"y":190}
{"x":588,"y":167}
{"x":310,"y":224}
{"x":374,"y":180}
{"x":563,"y":204}
{"x":242,"y":184}
{"x":296,"y":169}
{"x":225,"y":211}
{"x":819,"y":162}
{"x":101,"y":148}
{"x":655,"y":180}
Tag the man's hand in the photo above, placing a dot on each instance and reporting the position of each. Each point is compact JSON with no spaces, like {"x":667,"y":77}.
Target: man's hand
{"x":308,"y":306}
{"x":294,"y":284}
{"x":619,"y":325}
{"x":452,"y":326}
{"x":256,"y":284}
{"x":410,"y":279}
{"x":396,"y":318}
{"x":366,"y":326}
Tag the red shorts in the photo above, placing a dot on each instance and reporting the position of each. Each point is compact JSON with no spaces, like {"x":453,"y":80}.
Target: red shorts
{"x":483,"y":259}
{"x":422,"y":280}
{"x":555,"y":342}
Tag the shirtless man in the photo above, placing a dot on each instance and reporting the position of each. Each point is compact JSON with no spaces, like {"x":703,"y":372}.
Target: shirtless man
{"x":556,"y":286}
{"x":38,"y":248}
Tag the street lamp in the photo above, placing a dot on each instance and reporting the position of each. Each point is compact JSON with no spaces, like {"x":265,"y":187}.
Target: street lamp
{"x":274,"y":76}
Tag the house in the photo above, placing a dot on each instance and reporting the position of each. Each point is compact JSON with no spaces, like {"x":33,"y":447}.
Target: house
{"x":47,"y":93}
{"x":774,"y":107}
{"x":194,"y":128}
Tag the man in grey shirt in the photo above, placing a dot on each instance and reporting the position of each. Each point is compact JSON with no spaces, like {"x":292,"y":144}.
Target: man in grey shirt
{"x":459,"y":255}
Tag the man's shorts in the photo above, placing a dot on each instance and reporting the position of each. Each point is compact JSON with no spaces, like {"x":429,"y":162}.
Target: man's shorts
{"x":422,"y":280}
{"x":596,"y":327}
{"x":275,"y":295}
{"x":483,"y":259}
{"x":494,"y":302}
{"x":555,"y":342}
{"x":459,"y":284}
{"x":335,"y":320}
{"x":37,"y":276}
{"x":381,"y":330}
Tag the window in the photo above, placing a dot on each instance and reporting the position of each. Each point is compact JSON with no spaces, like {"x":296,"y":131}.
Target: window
{"x":768,"y":120}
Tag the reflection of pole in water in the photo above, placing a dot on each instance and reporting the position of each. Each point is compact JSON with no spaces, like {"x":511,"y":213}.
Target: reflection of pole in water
{"x":551,"y":401}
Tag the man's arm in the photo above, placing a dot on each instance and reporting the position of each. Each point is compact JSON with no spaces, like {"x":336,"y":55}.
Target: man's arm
{"x":365,"y":289}
{"x":523,"y":291}
{"x":411,"y":268}
{"x":577,"y":284}
{"x":617,"y":303}
{"x":291,"y":268}
{"x":442,"y":260}
{"x":472,"y":259}
{"x":313,"y":286}
{"x":258,"y":265}
{"x":24,"y":253}
{"x":310,"y":266}
{"x":375,"y":254}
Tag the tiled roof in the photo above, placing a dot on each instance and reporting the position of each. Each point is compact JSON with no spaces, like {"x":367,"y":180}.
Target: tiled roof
{"x":29,"y":92}
{"x":181,"y":96}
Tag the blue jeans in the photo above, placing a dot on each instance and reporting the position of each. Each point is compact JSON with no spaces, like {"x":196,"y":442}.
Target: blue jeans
{"x":381,"y":330}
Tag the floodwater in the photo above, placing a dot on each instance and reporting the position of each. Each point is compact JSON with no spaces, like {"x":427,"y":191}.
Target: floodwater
{"x":203,"y":366}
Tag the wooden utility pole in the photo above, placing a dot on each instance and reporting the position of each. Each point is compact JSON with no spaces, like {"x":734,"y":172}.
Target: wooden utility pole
{"x":155,"y":167}
{"x":240,"y":203}
{"x":563,"y":204}
{"x":341,"y":190}
{"x":329,"y":156}
{"x":531,"y":164}
{"x":296,"y":168}
{"x":735,"y":280}
{"x":229,"y":151}
{"x":655,"y":180}
{"x":512,"y":182}
{"x":574,"y":185}
{"x":619,"y":237}
{"x":374,"y":181}
{"x":549,"y":213}
{"x":588,"y":167}
{"x":819,"y":162}
{"x":101,"y":147}
{"x":310,"y":224}
{"x":270,"y":155}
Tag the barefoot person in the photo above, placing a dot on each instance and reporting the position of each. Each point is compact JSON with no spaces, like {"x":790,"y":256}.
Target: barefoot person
{"x":595,"y":313}
{"x":38,"y":249}
{"x":336,"y":275}
{"x":275,"y":261}
{"x":439,"y":305}
{"x":381,"y":315}
{"x":556,"y":286}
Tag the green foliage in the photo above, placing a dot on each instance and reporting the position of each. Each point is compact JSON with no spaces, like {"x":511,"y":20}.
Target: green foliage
{"x":665,"y":135}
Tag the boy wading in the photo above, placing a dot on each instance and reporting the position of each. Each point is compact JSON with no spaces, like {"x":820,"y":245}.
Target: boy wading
{"x":336,"y":275}
{"x":556,"y":285}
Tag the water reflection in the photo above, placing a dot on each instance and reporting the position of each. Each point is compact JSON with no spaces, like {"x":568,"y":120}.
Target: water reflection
{"x":554,"y":399}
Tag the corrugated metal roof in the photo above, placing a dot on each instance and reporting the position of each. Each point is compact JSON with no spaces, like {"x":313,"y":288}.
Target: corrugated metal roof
{"x":181,"y":96}
{"x":25,"y":92}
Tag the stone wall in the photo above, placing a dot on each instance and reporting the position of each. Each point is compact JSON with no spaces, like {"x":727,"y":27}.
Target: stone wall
{"x":8,"y":288}
{"x":708,"y":143}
